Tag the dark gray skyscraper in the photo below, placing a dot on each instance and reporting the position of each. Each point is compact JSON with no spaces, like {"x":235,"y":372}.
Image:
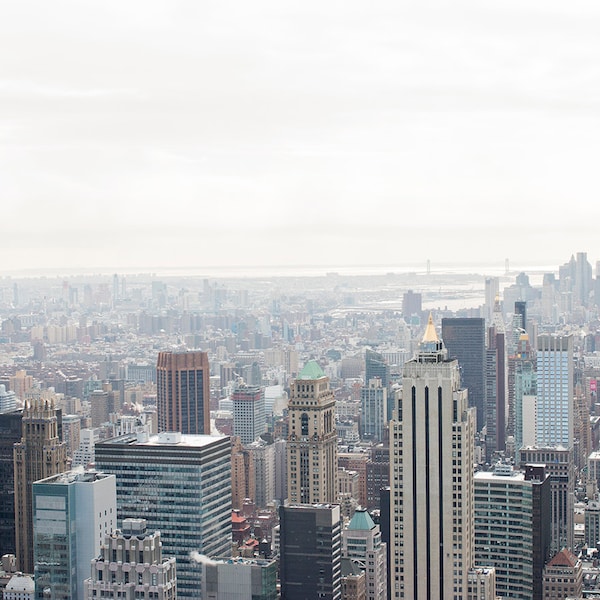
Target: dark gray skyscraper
{"x":310,"y":555}
{"x":465,"y":340}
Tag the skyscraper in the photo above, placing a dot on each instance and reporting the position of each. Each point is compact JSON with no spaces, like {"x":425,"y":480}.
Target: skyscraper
{"x":431,"y":478}
{"x":464,"y":339}
{"x":376,"y":367}
{"x":181,"y":484}
{"x":495,"y":391}
{"x":38,"y":455}
{"x":554,"y":420}
{"x":310,"y":551}
{"x":249,"y":420}
{"x":73,"y":512}
{"x":183,"y":392}
{"x":373,"y":397}
{"x":509,"y":517}
{"x":10,"y":434}
{"x":312,"y":439}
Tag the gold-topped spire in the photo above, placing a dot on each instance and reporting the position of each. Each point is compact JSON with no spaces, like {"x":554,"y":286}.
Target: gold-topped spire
{"x":430,"y":334}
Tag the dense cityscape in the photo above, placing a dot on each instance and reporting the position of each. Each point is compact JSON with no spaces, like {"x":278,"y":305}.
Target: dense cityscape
{"x":349,"y":437}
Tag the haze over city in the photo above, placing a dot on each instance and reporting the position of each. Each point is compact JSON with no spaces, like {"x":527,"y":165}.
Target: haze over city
{"x":189,"y":135}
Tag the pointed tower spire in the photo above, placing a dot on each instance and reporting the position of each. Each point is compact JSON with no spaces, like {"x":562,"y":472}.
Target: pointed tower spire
{"x":430,"y":334}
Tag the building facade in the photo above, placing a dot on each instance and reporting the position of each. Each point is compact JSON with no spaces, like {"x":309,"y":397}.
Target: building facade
{"x":39,"y":454}
{"x":373,"y":418}
{"x":183,"y":392}
{"x":312,"y":439}
{"x":464,"y":339}
{"x":73,"y":511}
{"x":431,"y":478}
{"x":249,"y":417}
{"x":181,"y":485}
{"x":131,"y":566}
{"x":310,"y":551}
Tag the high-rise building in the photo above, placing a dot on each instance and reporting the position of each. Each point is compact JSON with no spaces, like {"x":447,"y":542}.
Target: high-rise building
{"x":492,"y":292}
{"x":131,"y":565}
{"x":263,"y":456}
{"x":554,"y":420}
{"x":376,"y":367}
{"x":10,"y":434}
{"x":183,"y":392}
{"x":361,"y":542}
{"x":464,"y":339}
{"x":249,"y":418}
{"x":508,"y":526}
{"x":181,"y":484}
{"x":312,"y":439}
{"x":310,"y":551}
{"x":431,"y":478}
{"x":560,"y":467}
{"x":411,"y":304}
{"x":495,"y":392}
{"x":73,"y":511}
{"x":39,"y":454}
{"x":373,"y":418}
{"x":521,"y":392}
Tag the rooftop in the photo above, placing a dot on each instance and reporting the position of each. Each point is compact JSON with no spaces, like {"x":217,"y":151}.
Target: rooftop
{"x":311,"y":370}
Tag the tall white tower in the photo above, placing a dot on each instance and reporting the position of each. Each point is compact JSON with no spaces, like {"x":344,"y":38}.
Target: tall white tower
{"x":431,"y":478}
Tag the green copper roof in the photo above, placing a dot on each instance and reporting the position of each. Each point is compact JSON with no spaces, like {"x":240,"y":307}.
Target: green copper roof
{"x":361,"y":521}
{"x":311,"y":370}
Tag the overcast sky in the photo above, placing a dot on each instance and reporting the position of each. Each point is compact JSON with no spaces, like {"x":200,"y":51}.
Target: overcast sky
{"x":260,"y":132}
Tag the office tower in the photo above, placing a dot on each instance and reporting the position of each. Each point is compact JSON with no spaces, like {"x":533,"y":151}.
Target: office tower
{"x":386,"y":532}
{"x":310,"y":551}
{"x":131,"y":565}
{"x":560,"y":467}
{"x":10,"y":434}
{"x":376,"y":367}
{"x":554,"y":422}
{"x":411,"y":305}
{"x":361,"y":542}
{"x":181,"y":484}
{"x":373,"y":418}
{"x":241,"y":579}
{"x":522,"y":390}
{"x":312,"y":439}
{"x":563,"y":577}
{"x":183,"y":393}
{"x":583,"y":280}
{"x":495,"y":391}
{"x":71,"y":432}
{"x":521,"y":314}
{"x":464,"y":339}
{"x":249,"y":419}
{"x":39,"y":454}
{"x":73,"y":511}
{"x":506,"y":528}
{"x":263,"y":456}
{"x":431,"y":478}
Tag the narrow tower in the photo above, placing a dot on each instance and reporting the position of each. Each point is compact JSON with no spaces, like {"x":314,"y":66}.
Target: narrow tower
{"x":312,"y":441}
{"x":431,"y":478}
{"x":39,"y":454}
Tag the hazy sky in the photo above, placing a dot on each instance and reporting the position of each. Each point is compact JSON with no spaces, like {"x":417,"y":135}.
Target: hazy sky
{"x":260,"y":132}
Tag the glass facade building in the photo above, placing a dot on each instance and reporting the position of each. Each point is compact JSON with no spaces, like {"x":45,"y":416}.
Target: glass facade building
{"x":181,"y":485}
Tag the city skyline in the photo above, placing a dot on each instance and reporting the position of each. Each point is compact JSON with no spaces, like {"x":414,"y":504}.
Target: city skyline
{"x":317,"y":134}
